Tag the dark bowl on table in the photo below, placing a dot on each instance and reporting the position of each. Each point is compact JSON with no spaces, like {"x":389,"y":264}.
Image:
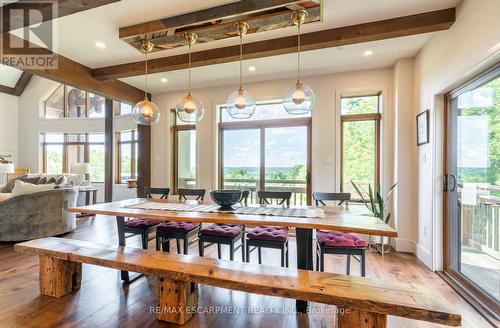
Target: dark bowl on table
{"x":226,"y":198}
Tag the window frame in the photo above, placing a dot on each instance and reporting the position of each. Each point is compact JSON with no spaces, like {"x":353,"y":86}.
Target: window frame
{"x":375,"y":117}
{"x":175,"y":130}
{"x":65,"y":144}
{"x":65,"y":104}
{"x":262,"y":125}
{"x":134,"y":142}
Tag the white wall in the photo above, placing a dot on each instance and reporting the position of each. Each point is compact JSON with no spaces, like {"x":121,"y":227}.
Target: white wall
{"x":404,"y":157}
{"x":9,"y":107}
{"x":31,"y":124}
{"x":448,"y":59}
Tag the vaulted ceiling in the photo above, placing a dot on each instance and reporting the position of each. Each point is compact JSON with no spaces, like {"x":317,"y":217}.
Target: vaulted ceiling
{"x":91,"y":38}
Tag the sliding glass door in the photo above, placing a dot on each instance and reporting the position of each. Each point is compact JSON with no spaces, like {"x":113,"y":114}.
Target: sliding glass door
{"x":472,"y":186}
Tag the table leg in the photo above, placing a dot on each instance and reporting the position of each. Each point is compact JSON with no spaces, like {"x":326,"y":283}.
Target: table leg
{"x":120,"y":224}
{"x":87,"y":198}
{"x":94,"y":197}
{"x":304,"y":258}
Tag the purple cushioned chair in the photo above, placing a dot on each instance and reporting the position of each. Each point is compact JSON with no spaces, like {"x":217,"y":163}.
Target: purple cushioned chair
{"x":141,"y":226}
{"x":224,"y":234}
{"x":179,"y":230}
{"x":267,"y":236}
{"x":334,"y":242}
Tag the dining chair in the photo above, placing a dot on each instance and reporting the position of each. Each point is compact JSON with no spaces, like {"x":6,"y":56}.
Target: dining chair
{"x":179,"y":230}
{"x":335,"y":242}
{"x":268,"y":236}
{"x":224,"y":234}
{"x":144,"y":227}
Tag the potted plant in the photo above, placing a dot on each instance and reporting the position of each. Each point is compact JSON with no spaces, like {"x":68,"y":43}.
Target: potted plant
{"x":377,"y":205}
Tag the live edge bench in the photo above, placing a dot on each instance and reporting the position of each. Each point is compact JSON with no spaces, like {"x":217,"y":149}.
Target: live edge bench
{"x":366,"y":301}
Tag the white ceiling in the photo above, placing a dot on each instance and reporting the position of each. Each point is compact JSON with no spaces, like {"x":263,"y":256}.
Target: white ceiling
{"x":78,"y":34}
{"x":317,"y":62}
{"x":9,"y":76}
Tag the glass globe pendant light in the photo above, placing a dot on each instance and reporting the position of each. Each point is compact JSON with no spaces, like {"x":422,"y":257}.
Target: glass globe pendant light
{"x":145,"y":112}
{"x":240,"y":104}
{"x":190,"y":109}
{"x":299,"y":98}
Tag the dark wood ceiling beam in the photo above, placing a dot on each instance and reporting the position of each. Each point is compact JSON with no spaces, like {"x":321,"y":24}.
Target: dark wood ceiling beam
{"x":373,"y":31}
{"x":203,"y":16}
{"x":80,"y":76}
{"x":65,"y":7}
{"x":21,"y":84}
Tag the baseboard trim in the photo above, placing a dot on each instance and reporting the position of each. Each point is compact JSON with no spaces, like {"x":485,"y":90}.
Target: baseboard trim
{"x":424,"y":255}
{"x":404,"y":245}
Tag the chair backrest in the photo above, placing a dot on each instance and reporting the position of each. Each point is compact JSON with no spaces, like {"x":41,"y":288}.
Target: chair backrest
{"x":282,"y":197}
{"x":199,"y":194}
{"x":244,"y":197}
{"x":162,"y":192}
{"x":340,"y":197}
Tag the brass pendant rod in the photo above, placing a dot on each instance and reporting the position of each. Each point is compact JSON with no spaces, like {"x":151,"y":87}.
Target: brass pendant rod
{"x":146,"y":78}
{"x":189,"y":75}
{"x":298,"y":53}
{"x":241,"y":61}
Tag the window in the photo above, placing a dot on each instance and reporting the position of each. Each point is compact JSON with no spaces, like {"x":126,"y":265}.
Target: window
{"x":360,"y":142}
{"x":128,"y":148}
{"x":61,"y":150}
{"x":271,"y":151}
{"x":70,"y":102}
{"x":123,"y":109}
{"x":184,"y":158}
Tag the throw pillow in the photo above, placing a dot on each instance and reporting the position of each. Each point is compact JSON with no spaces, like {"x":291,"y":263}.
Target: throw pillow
{"x":10,"y":185}
{"x":61,"y":180}
{"x":51,"y":180}
{"x":42,"y":181}
{"x":23,"y":188}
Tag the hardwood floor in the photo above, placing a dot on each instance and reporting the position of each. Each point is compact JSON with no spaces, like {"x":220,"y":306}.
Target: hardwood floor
{"x":103,"y":301}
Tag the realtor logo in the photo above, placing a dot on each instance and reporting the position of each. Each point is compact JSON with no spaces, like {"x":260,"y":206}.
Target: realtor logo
{"x":28,"y":34}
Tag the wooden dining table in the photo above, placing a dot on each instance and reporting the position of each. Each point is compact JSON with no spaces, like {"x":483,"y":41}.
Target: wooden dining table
{"x":353,"y":218}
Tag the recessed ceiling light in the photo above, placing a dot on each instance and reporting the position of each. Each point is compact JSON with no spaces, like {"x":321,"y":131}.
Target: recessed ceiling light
{"x":100,"y":45}
{"x":164,"y":80}
{"x":251,"y":68}
{"x":368,"y":53}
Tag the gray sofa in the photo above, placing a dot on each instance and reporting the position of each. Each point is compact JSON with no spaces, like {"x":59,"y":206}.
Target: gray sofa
{"x":37,"y":215}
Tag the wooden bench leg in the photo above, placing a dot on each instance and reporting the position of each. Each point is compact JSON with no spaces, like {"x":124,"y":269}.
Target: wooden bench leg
{"x":362,"y":319}
{"x":59,"y":277}
{"x":176,"y":300}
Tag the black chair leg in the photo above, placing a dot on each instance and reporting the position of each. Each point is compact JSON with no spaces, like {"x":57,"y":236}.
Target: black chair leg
{"x":178,"y":241}
{"x":186,"y":245}
{"x":165,"y":245}
{"x":201,"y":250}
{"x":243,"y":244}
{"x":321,"y":261}
{"x":317,"y":259}
{"x":219,"y":251}
{"x":145,"y":240}
{"x":283,"y":255}
{"x":363,"y":264}
{"x":348,"y":267}
{"x":158,"y":243}
{"x":286,"y":258}
{"x":260,"y":254}
{"x":231,"y":251}
{"x":247,"y":257}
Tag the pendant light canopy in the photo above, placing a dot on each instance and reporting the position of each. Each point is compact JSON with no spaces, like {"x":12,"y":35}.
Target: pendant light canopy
{"x":190,"y":109}
{"x":299,"y":98}
{"x":240,"y":104}
{"x":146,"y":112}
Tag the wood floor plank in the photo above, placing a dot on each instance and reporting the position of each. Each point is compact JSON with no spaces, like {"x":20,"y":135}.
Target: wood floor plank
{"x":105,"y":302}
